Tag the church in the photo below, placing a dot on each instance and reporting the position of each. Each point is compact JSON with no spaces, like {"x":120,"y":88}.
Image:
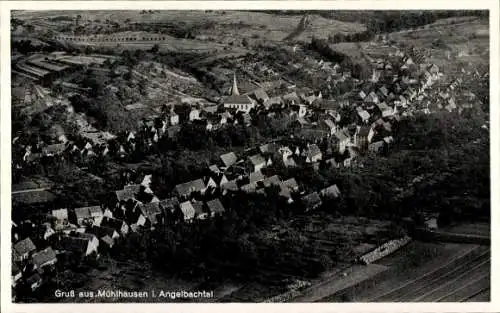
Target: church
{"x":236,"y":101}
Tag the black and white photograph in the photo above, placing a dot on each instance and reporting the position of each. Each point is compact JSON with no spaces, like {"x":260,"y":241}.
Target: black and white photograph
{"x":249,"y":156}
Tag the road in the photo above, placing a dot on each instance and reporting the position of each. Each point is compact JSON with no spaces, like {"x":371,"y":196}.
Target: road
{"x":29,"y":190}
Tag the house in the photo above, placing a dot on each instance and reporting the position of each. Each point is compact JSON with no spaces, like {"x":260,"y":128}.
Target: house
{"x":200,"y":211}
{"x":186,"y":189}
{"x":23,"y":248}
{"x":61,"y":217}
{"x":330,"y":125}
{"x":215,"y":207}
{"x":291,"y":184}
{"x":269,"y":148}
{"x":271,"y":181}
{"x":120,"y":226}
{"x":364,"y":136}
{"x":376,"y":147}
{"x":239,"y":102}
{"x":81,"y":245}
{"x":54,"y":149}
{"x":194,"y":114}
{"x":34,"y":281}
{"x":289,"y":161}
{"x":170,"y":204}
{"x":45,"y":231}
{"x":229,"y":159}
{"x":291,"y":98}
{"x":215,"y":180}
{"x":214,"y":169}
{"x":433,"y":69}
{"x":249,"y":188}
{"x":341,"y":139}
{"x":16,"y":274}
{"x":44,"y":258}
{"x":171,"y":118}
{"x":372,"y":98}
{"x":151,"y":212}
{"x":124,"y":195}
{"x":260,"y":95}
{"x":384,"y":109}
{"x":256,"y":177}
{"x":330,"y":192}
{"x":313,"y":154}
{"x":257,"y":162}
{"x":363,"y":115}
{"x":402,"y":101}
{"x":101,"y":232}
{"x":187,"y":210}
{"x":311,"y":201}
{"x":229,"y":186}
{"x":107,"y":241}
{"x":87,"y":215}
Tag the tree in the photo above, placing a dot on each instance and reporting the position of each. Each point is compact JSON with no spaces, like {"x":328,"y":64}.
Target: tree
{"x":155,"y":48}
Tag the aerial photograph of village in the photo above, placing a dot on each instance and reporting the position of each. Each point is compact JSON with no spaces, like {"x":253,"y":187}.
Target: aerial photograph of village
{"x":250,"y":156}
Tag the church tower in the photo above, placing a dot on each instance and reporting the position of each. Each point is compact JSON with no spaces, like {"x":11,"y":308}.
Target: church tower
{"x":234,"y":89}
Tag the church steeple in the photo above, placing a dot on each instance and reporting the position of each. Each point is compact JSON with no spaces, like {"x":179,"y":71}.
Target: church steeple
{"x":234,"y":90}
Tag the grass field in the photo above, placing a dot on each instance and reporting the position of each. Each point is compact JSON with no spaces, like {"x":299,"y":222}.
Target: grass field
{"x":466,"y":40}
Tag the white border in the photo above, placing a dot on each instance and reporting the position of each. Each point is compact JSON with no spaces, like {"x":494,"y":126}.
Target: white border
{"x":5,"y":148}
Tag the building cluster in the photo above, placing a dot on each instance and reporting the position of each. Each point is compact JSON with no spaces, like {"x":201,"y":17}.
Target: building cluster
{"x":401,"y":84}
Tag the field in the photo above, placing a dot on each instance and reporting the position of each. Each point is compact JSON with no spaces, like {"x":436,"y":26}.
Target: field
{"x":464,"y":40}
{"x":223,"y":27}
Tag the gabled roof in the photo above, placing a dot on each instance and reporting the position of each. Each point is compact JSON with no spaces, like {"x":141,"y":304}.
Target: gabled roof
{"x":364,"y":114}
{"x":333,"y":190}
{"x":189,"y":187}
{"x":256,"y":176}
{"x":273,"y":180}
{"x":313,"y":151}
{"x":112,"y":223}
{"x":341,"y":135}
{"x":215,"y":206}
{"x":291,"y":97}
{"x":54,"y":149}
{"x":198,"y":207}
{"x":238,"y":99}
{"x":124,"y":194}
{"x":229,"y":159}
{"x":257,"y":159}
{"x":214,"y":168}
{"x":382,"y":106}
{"x":44,"y":256}
{"x":107,"y":240}
{"x":312,"y":200}
{"x":24,"y":246}
{"x":136,"y":188}
{"x":60,"y":214}
{"x":230,"y":185}
{"x":329,"y":123}
{"x":187,"y":209}
{"x":75,"y":244}
{"x":291,"y":183}
{"x":260,"y":94}
{"x":170,"y":203}
{"x":268,"y":148}
{"x":82,"y":213}
{"x":151,"y":211}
